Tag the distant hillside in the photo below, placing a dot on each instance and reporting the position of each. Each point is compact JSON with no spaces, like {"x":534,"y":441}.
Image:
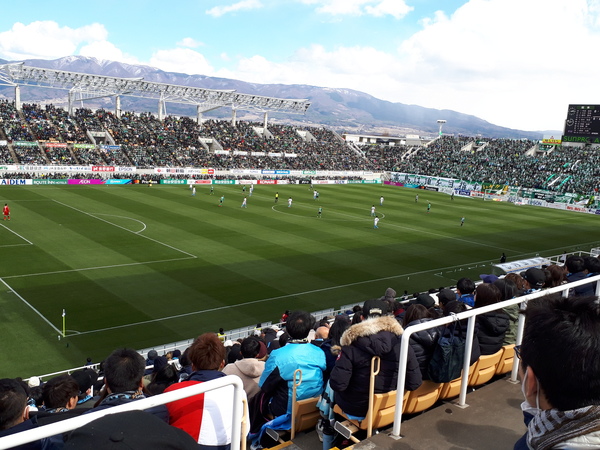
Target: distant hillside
{"x":341,"y":109}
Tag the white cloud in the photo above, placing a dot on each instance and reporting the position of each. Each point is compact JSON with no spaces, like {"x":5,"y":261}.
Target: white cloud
{"x":377,"y":8}
{"x":47,"y":40}
{"x":108,"y":51}
{"x":190,"y":42}
{"x":219,"y":11}
{"x":183,"y":60}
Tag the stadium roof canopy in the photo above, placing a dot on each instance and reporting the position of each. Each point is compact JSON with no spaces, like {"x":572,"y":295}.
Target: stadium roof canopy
{"x":89,"y":86}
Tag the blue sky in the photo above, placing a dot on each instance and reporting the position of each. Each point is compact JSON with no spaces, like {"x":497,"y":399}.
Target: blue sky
{"x":515,"y":63}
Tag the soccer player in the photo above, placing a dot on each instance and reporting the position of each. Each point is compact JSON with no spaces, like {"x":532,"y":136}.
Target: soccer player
{"x":314,"y":195}
{"x":194,"y":191}
{"x":452,"y":196}
{"x":428,"y":207}
{"x":462,"y":221}
{"x":6,"y":212}
{"x":417,"y":198}
{"x":244,"y":189}
{"x":221,"y":200}
{"x":290,"y":202}
{"x":251,"y":189}
{"x":375,"y":222}
{"x":372,"y":210}
{"x":212,"y":189}
{"x":319,"y":212}
{"x":381,"y":201}
{"x":244,"y":203}
{"x":317,"y":195}
{"x":276,"y":197}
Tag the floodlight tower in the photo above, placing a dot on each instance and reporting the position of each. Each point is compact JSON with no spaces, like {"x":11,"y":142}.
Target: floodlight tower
{"x":441,"y":123}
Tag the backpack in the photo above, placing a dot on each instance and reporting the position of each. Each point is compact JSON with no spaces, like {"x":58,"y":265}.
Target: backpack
{"x":448,"y":357}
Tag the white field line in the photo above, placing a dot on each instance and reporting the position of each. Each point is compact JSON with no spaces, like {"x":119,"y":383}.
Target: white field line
{"x":125,"y":217}
{"x":14,"y":232}
{"x":129,"y":231}
{"x":32,"y":308}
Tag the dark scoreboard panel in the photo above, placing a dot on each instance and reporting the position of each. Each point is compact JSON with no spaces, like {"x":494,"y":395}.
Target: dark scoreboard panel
{"x":583,"y":121}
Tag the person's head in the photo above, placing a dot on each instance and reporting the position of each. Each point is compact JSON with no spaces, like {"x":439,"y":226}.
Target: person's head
{"x":446,"y":295}
{"x":123,"y":371}
{"x":61,"y":391}
{"x":465,"y":286}
{"x":13,"y":403}
{"x":555,"y":275}
{"x":250,"y":347}
{"x":559,"y":352}
{"x":534,"y":278}
{"x":85,"y":380}
{"x":414,"y":312}
{"x":518,"y":280}
{"x":575,"y":264}
{"x":207,"y":352}
{"x":162,"y":379}
{"x":454,"y":307}
{"x":299,"y":324}
{"x":507,"y":288}
{"x":592,"y":265}
{"x":426,"y":300}
{"x":487,"y":294}
{"x":339,"y":325}
{"x":374,"y":308}
{"x":322,"y":332}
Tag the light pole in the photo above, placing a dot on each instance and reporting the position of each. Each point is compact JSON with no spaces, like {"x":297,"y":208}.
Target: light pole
{"x":441,"y":123}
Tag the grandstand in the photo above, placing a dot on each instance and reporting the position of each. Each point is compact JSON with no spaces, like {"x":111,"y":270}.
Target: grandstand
{"x":46,"y":143}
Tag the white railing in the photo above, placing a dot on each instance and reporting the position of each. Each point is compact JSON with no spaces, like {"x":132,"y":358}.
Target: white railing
{"x":471,"y":316}
{"x":76,"y":422}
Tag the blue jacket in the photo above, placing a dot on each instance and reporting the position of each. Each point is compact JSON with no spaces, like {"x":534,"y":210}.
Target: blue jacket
{"x":277,"y":379}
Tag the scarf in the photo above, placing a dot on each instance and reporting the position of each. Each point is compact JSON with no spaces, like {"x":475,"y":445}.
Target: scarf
{"x":551,"y":427}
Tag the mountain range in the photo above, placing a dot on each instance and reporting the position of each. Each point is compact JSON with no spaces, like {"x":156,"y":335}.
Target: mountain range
{"x":344,"y":110}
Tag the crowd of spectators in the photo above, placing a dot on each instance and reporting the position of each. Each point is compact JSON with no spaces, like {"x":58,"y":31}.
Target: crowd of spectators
{"x":144,"y":141}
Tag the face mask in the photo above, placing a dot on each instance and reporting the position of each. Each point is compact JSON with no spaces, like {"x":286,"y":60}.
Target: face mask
{"x":526,"y":406}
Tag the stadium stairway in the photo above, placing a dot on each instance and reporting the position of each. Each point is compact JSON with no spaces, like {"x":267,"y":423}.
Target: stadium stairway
{"x":493,"y":421}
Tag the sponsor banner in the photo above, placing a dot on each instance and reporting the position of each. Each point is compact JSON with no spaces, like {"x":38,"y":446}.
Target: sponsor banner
{"x":196,"y":182}
{"x":257,"y":153}
{"x":376,"y":181}
{"x":55,"y":144}
{"x":275,"y":172}
{"x":283,"y":182}
{"x":223,"y":181}
{"x":556,"y":205}
{"x":320,"y":182}
{"x":309,"y":172}
{"x":110,"y":147}
{"x":103,"y":169}
{"x":3,"y":142}
{"x":597,"y":212}
{"x":304,"y":182}
{"x":290,"y":155}
{"x":18,"y":182}
{"x":45,"y":181}
{"x":393,"y":183}
{"x":275,"y":154}
{"x":246,"y":181}
{"x":576,"y":208}
{"x":431,"y":188}
{"x":221,"y":152}
{"x":413,"y":186}
{"x":116,"y":181}
{"x":477,"y":194}
{"x":84,"y":146}
{"x":463,"y":192}
{"x":240,"y":152}
{"x":9,"y":167}
{"x":268,"y":181}
{"x":551,"y":140}
{"x":339,"y":182}
{"x":173,"y":181}
{"x":184,"y":170}
{"x":355,"y":181}
{"x":85,"y":182}
{"x":25,"y":144}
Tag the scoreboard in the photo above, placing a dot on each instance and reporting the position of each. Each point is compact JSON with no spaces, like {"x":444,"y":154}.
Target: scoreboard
{"x":583,"y":123}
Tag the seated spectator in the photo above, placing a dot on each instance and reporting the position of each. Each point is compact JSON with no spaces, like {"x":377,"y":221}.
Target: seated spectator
{"x":508,"y":290}
{"x":455,"y":307}
{"x":85,"y":379}
{"x":206,"y":417}
{"x":136,"y":430}
{"x":250,"y":367}
{"x":555,"y":276}
{"x":576,"y":268}
{"x":492,"y":325}
{"x":162,"y":379}
{"x":534,"y":280}
{"x":60,"y":394}
{"x":464,"y":291}
{"x":277,"y":380}
{"x":377,"y":335}
{"x":422,"y":342}
{"x":152,"y":355}
{"x":14,"y":416}
{"x":123,"y":382}
{"x":560,"y":373}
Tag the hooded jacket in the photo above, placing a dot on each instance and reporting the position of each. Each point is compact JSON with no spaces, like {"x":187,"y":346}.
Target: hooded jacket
{"x":492,"y":329}
{"x":249,"y":370}
{"x":377,"y":336}
{"x":423,"y":343}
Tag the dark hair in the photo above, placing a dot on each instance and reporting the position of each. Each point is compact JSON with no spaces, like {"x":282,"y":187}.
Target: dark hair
{"x":487,"y":294}
{"x":561,"y":343}
{"x":575,"y":264}
{"x":165,"y":377}
{"x":465,"y":285}
{"x":415,"y":312}
{"x":555,"y":275}
{"x":339,"y":325}
{"x":508,"y":289}
{"x":35,"y":394}
{"x":57,"y":391}
{"x":207,"y":352}
{"x":13,"y":400}
{"x":250,"y":347}
{"x":592,"y":264}
{"x":299,"y":324}
{"x":233,"y":354}
{"x":123,"y":370}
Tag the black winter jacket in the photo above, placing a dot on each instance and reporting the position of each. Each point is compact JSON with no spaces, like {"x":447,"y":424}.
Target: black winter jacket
{"x":423,"y":343}
{"x":492,"y":328}
{"x":349,"y":379}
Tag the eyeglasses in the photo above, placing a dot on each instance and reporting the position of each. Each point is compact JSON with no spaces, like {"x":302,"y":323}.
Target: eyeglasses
{"x":518,"y":351}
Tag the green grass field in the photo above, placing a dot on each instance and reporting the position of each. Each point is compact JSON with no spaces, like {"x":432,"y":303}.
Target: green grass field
{"x":140,"y":266}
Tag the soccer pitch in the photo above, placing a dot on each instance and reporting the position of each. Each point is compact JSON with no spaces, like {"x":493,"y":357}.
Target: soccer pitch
{"x":140,"y":266}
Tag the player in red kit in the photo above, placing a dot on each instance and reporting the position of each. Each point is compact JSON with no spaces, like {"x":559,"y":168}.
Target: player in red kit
{"x":6,"y":211}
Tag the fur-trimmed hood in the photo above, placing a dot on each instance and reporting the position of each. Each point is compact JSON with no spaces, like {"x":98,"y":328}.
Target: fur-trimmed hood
{"x":376,"y":335}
